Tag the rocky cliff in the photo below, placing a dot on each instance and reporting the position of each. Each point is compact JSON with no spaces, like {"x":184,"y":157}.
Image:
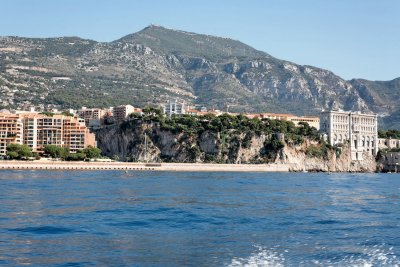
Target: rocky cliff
{"x":336,"y":160}
{"x":140,"y":141}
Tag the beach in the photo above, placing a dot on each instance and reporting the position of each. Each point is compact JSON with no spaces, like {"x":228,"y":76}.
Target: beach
{"x":98,"y":165}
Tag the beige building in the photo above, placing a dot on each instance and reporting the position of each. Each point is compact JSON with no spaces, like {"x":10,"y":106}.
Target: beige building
{"x":10,"y":131}
{"x":91,"y":113}
{"x":93,"y":116}
{"x":388,"y":143}
{"x":76,"y":135}
{"x":120,"y":113}
{"x":360,"y":130}
{"x":311,"y":120}
{"x":37,"y":130}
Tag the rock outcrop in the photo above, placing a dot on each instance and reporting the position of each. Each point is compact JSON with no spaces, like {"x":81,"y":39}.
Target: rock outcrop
{"x":335,"y":161}
{"x":138,"y":141}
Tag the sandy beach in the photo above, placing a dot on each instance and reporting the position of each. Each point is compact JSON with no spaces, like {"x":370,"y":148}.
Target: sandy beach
{"x":68,"y":165}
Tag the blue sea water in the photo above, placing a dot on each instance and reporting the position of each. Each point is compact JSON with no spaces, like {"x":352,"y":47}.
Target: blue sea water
{"x":110,"y":218}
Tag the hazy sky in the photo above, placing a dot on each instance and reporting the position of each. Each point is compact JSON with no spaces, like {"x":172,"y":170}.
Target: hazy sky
{"x":352,"y":38}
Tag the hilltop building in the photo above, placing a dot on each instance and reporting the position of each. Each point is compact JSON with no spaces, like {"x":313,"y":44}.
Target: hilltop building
{"x":92,"y":116}
{"x":360,"y":130}
{"x":311,"y":120}
{"x":91,"y":113}
{"x":120,"y":113}
{"x":174,"y":107}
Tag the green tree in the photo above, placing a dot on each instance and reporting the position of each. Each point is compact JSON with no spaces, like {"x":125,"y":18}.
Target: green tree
{"x":56,"y":151}
{"x":92,"y":152}
{"x":12,"y":154}
{"x":17,"y":151}
{"x":78,"y":156}
{"x":67,"y":113}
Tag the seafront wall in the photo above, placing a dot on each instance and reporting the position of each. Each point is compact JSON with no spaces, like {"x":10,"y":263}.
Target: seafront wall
{"x":63,"y":165}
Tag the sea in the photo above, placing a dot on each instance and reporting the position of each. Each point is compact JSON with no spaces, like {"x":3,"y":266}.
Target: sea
{"x":114,"y":218}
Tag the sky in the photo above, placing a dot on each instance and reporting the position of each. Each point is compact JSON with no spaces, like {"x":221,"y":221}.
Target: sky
{"x":352,"y":38}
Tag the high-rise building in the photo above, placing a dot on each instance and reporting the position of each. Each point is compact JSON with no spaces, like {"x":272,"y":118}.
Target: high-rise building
{"x":360,"y":130}
{"x":10,"y":131}
{"x":38,"y":130}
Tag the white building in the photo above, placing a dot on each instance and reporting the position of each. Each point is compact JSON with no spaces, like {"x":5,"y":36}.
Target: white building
{"x":360,"y":130}
{"x":173,"y":107}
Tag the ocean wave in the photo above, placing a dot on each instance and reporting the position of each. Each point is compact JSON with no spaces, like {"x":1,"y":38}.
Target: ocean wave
{"x":261,"y":257}
{"x":369,"y":257}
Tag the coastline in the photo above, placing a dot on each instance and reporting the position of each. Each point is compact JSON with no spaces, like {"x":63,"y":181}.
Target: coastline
{"x":175,"y":167}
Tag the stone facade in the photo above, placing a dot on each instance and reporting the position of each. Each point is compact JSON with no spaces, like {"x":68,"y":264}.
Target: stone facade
{"x":359,"y":130}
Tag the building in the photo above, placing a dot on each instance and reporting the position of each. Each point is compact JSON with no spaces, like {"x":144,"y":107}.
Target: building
{"x":360,"y":130}
{"x":91,"y":113}
{"x":174,"y":107}
{"x":384,"y":143}
{"x":76,"y":135}
{"x":38,"y":130}
{"x":10,"y":131}
{"x":120,"y":113}
{"x":92,"y":116}
{"x":311,"y":120}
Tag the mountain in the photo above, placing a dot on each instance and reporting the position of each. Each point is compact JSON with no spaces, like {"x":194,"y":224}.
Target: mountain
{"x":156,"y":64}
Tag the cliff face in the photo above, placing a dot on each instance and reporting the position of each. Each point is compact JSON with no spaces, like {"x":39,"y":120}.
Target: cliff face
{"x":148,"y":142}
{"x":336,"y":161}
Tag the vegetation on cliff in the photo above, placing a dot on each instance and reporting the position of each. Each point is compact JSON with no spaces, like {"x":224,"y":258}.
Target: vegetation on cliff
{"x":207,"y":138}
{"x":391,"y":133}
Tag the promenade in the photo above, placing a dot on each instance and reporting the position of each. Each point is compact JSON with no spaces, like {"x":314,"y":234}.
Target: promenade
{"x":184,"y":167}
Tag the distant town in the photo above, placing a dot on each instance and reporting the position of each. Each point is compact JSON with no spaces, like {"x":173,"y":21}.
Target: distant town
{"x":74,"y":129}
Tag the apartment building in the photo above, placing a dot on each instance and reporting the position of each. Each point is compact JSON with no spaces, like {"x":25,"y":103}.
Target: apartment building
{"x":120,"y":113}
{"x":360,"y":130}
{"x":10,"y":131}
{"x":38,"y":130}
{"x":92,"y":116}
{"x":76,"y":135}
{"x":91,"y":113}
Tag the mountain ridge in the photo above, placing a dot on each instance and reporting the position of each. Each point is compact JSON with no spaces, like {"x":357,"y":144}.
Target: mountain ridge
{"x":157,"y":63}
